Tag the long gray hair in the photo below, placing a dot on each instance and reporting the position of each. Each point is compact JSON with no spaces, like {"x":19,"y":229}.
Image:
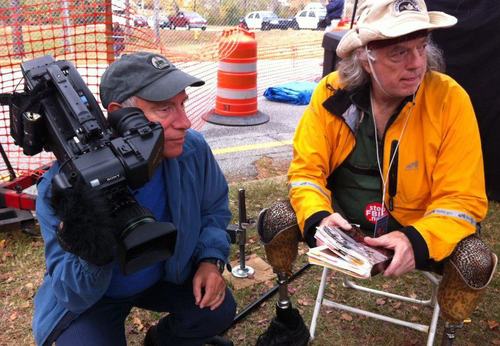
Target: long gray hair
{"x":352,"y":74}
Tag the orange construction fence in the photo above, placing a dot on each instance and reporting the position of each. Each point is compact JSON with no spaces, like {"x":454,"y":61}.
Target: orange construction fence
{"x":92,"y":33}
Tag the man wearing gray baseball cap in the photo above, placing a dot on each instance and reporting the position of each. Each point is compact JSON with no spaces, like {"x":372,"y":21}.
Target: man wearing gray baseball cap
{"x":189,"y":190}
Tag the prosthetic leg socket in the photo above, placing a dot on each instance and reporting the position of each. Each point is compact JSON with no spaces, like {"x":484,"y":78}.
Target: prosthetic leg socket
{"x":466,"y":275}
{"x":279,"y":231}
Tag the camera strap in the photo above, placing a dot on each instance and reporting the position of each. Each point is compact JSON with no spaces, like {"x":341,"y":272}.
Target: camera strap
{"x":25,"y":100}
{"x":6,"y":99}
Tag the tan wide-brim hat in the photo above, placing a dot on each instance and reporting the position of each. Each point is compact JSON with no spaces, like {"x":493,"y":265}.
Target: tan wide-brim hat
{"x":387,"y":19}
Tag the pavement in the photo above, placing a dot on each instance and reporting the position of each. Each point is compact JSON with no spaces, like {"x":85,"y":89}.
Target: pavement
{"x":237,"y":148}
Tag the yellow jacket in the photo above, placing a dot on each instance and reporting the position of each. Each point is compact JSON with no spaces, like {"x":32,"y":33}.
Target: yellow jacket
{"x":440,"y":194}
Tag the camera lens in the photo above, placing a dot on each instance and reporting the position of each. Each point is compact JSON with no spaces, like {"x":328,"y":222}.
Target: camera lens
{"x":143,"y":241}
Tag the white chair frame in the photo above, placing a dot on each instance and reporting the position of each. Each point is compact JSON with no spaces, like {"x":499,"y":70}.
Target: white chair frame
{"x":432,"y":302}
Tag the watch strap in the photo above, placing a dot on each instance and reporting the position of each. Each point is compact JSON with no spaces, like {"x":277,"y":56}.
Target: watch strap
{"x":218,"y":262}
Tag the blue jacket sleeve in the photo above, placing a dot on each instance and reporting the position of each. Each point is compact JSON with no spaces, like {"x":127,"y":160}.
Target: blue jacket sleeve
{"x":76,"y":283}
{"x":215,"y":215}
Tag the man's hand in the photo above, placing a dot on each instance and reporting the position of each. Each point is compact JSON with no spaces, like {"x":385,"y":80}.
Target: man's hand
{"x":335,"y":220}
{"x":403,"y":260}
{"x":209,"y":287}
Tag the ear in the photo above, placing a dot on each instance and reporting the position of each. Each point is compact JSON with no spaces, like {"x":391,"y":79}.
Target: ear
{"x":113,"y":106}
{"x":366,"y":66}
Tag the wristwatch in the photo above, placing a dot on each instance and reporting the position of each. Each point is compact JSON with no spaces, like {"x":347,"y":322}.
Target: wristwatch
{"x":219,"y":263}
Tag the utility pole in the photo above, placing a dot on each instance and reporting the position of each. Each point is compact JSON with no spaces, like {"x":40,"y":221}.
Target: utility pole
{"x":156,"y":9}
{"x":17,"y":29}
{"x":66,"y":27}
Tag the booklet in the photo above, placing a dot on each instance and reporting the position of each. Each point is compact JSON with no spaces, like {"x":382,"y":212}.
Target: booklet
{"x":346,"y":252}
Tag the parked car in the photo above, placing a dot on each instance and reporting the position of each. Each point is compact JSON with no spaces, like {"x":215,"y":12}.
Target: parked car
{"x":188,"y":20}
{"x":310,"y":19}
{"x":119,"y":16}
{"x":163,"y":22}
{"x":265,"y":20}
{"x":140,"y":21}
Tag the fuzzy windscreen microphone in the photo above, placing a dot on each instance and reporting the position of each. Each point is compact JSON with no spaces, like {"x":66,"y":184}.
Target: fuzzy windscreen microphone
{"x":87,"y":228}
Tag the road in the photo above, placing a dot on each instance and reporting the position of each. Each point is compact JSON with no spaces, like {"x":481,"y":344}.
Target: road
{"x":238,"y":148}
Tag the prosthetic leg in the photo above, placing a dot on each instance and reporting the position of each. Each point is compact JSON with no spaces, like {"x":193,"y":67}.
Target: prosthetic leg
{"x":278,"y":230}
{"x":466,"y":274}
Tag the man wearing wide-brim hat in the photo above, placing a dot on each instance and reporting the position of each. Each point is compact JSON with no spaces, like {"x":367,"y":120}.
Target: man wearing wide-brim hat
{"x":392,"y":144}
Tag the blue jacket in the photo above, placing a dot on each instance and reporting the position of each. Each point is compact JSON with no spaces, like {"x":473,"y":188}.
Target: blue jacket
{"x":334,"y":9}
{"x":197,"y":202}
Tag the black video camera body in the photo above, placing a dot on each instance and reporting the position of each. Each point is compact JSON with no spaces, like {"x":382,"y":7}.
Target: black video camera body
{"x":58,"y":113}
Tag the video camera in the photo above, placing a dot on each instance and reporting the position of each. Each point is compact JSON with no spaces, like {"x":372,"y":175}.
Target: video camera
{"x":58,"y":113}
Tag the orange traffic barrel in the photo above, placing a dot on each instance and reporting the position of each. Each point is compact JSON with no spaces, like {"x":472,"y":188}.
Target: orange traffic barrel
{"x":236,"y":99}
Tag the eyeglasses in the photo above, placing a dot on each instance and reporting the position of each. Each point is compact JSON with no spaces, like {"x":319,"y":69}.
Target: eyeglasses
{"x":399,"y":54}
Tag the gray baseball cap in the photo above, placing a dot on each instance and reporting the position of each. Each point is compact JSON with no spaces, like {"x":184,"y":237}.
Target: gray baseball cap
{"x":147,"y":75}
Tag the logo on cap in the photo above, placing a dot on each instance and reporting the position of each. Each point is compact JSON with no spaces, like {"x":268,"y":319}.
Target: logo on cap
{"x":160,"y":62}
{"x":406,"y":5}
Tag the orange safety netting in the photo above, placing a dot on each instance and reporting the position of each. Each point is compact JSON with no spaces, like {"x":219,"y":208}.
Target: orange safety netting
{"x":91,"y":33}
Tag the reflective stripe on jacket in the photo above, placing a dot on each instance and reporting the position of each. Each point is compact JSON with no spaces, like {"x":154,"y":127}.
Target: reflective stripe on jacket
{"x":440,"y":181}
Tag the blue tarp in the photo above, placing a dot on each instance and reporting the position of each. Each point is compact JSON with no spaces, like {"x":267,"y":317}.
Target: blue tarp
{"x":298,"y":93}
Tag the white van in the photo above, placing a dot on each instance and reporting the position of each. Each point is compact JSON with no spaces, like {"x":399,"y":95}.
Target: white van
{"x":310,"y":19}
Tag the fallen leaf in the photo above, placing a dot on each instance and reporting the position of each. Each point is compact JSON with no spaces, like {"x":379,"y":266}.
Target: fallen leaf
{"x":346,"y":317}
{"x":3,"y":244}
{"x":492,"y":324}
{"x":269,"y":283}
{"x":291,"y":290}
{"x":396,"y":305}
{"x":13,"y":316}
{"x":7,"y":254}
{"x":413,"y":295}
{"x":305,"y":301}
{"x":496,"y":342}
{"x":25,"y":305}
{"x":380,"y":301}
{"x":138,"y":323}
{"x":36,"y":244}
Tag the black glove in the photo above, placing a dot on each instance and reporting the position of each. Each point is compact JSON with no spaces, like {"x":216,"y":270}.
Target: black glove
{"x":87,"y":228}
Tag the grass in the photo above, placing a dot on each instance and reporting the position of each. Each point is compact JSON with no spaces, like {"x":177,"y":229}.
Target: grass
{"x":22,"y":266}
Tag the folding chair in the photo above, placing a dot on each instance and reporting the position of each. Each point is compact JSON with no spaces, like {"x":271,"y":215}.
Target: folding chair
{"x":432,"y":302}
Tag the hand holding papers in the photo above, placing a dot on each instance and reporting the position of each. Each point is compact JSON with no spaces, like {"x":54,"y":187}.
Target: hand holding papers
{"x":346,"y":251}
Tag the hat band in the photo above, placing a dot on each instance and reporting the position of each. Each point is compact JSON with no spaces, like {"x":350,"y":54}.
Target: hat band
{"x":388,"y":42}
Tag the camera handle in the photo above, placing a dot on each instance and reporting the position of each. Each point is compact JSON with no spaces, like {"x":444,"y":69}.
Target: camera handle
{"x":242,"y":270}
